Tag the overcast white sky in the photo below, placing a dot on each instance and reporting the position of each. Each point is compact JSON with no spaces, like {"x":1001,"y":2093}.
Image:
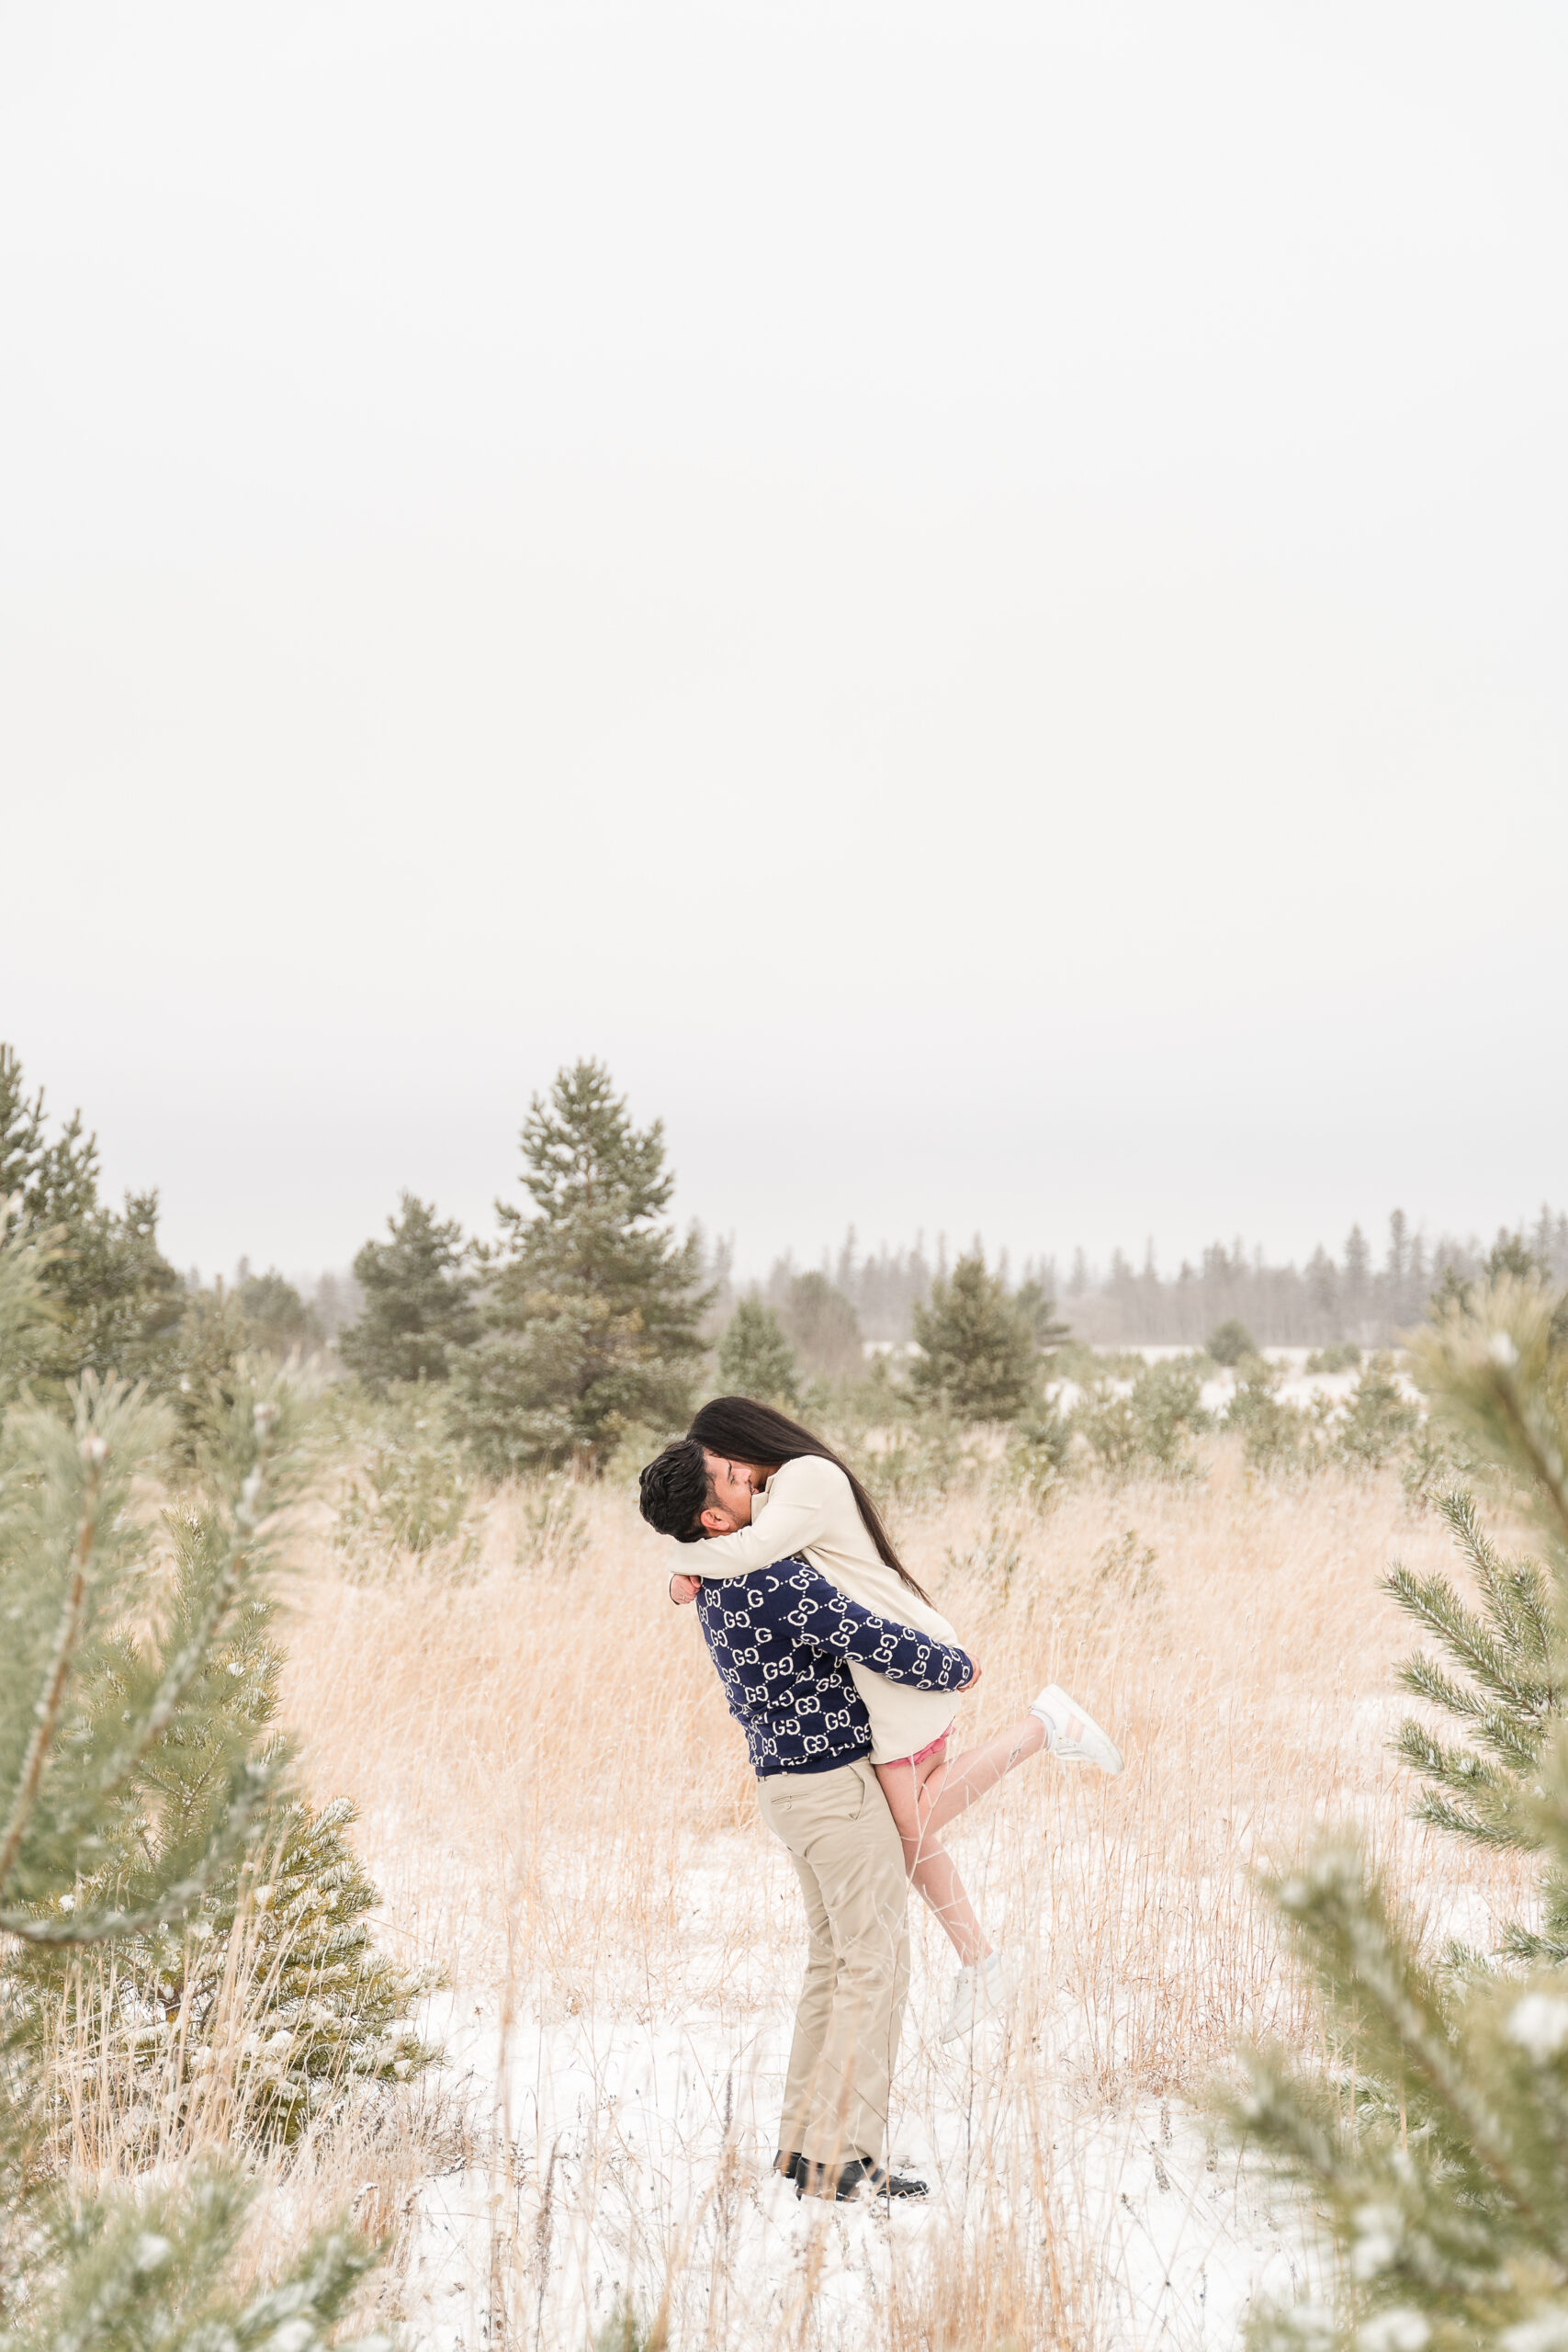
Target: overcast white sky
{"x":972,"y":595}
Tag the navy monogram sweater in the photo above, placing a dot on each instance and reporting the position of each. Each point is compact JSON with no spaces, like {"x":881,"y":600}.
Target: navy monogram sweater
{"x":782,"y":1641}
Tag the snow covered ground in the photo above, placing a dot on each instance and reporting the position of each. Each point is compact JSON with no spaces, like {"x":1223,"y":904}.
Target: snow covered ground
{"x":560,"y":1814}
{"x":655,"y":2141}
{"x":1297,"y":1386}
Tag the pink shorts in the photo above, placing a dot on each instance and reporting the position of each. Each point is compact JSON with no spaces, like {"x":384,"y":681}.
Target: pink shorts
{"x":928,"y":1749}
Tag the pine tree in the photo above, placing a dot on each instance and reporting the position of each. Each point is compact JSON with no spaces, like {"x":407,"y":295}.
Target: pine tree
{"x":1145,"y":1430}
{"x":1037,"y":1308}
{"x":211,"y":1367}
{"x":414,"y":1486}
{"x":1379,"y":1419}
{"x":1509,"y":1254}
{"x":978,"y":1357}
{"x":1356,"y":1285}
{"x":755,"y":1359}
{"x":277,"y":1318}
{"x":28,"y":1317}
{"x":21,"y":1131}
{"x":325,"y":2012}
{"x":119,"y":1302}
{"x":1229,"y":1341}
{"x":1502,"y":1684}
{"x":593,"y":1313}
{"x":96,"y":1729}
{"x":419,"y":1300}
{"x":1437,"y":2151}
{"x":821,"y":1326}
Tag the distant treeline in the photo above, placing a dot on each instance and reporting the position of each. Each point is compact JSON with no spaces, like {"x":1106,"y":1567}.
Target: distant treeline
{"x":1360,"y":1295}
{"x":587,"y":1326}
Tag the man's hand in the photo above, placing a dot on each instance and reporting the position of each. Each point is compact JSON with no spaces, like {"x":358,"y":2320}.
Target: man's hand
{"x":977,"y":1669}
{"x":683,"y":1589}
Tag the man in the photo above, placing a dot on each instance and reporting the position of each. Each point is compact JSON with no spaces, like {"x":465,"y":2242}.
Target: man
{"x":782,"y":1641}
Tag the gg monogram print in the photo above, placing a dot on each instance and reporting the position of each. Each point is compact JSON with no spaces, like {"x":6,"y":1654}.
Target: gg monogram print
{"x":782,"y":1640}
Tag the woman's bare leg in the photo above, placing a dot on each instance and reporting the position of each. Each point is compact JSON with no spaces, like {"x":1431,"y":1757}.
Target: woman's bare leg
{"x":934,"y":1875}
{"x":931,"y":1869}
{"x":953,"y":1788}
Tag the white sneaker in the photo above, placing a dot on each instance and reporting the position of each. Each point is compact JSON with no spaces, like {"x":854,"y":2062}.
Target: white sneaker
{"x":1071,"y":1733}
{"x":983,"y":1990}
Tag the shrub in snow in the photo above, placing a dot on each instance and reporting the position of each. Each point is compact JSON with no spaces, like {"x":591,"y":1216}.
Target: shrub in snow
{"x":1145,"y":1429}
{"x":1229,"y":1342}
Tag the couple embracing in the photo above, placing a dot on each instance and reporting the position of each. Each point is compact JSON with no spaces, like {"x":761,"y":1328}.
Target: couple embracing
{"x":845,"y":1680}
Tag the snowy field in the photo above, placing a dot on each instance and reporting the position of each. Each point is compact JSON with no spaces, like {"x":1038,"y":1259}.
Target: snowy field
{"x":1128,"y":2221}
{"x":1297,"y":1385}
{"x":1166,"y":2237}
{"x":559,"y":1815}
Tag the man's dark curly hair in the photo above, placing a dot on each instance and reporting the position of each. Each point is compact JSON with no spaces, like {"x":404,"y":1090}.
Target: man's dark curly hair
{"x":675,"y":1492}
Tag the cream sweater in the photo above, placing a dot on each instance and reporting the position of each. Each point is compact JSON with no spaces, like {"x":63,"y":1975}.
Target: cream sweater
{"x":808,"y":1506}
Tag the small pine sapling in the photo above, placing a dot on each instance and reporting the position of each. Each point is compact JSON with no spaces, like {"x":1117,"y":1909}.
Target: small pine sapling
{"x":27,"y":1314}
{"x":1436,"y":2151}
{"x":756,"y":1359}
{"x":1144,"y":1430}
{"x":412,"y":1487}
{"x":1037,"y":1308}
{"x":1505,"y":1691}
{"x":419,"y":1300}
{"x":280,"y":1936}
{"x":153,"y":2273}
{"x":1229,"y":1344}
{"x":117,"y":1300}
{"x":87,"y":1716}
{"x":1378,"y":1421}
{"x":84,"y":1711}
{"x":1279,"y":1440}
{"x":978,"y":1358}
{"x":278,"y":1320}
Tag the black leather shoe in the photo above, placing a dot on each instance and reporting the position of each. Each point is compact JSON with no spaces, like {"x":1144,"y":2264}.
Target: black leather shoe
{"x":857,"y":2181}
{"x":788,"y":2165}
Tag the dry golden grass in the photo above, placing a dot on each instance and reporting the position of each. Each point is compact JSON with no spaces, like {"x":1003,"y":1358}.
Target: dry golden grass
{"x":560,"y":1811}
{"x":540,"y":1761}
{"x":560,"y":1814}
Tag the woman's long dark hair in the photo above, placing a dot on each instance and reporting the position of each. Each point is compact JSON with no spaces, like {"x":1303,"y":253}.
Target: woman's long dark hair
{"x":743,"y":1430}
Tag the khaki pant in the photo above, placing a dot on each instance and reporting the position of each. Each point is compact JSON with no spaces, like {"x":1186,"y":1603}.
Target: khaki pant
{"x":849,"y":1863}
